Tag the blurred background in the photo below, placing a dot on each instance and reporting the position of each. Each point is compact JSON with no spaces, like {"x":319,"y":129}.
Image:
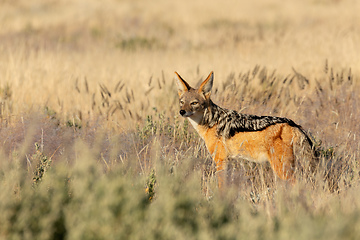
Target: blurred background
{"x":50,"y":49}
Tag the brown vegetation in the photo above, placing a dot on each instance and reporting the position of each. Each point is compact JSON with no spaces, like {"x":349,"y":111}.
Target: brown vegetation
{"x":89,"y":116}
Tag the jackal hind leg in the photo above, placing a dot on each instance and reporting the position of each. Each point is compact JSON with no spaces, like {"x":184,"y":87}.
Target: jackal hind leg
{"x":282,"y":160}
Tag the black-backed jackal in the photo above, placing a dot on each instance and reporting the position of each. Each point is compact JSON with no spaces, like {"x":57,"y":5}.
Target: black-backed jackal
{"x":228,"y":134}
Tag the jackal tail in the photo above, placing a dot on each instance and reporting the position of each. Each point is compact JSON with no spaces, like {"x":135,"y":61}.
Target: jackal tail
{"x":305,"y":152}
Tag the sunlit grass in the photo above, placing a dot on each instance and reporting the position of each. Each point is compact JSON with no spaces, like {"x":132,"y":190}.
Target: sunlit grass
{"x":92,"y":146}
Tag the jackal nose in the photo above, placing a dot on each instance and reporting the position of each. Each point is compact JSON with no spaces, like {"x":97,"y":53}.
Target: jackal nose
{"x":182,"y":112}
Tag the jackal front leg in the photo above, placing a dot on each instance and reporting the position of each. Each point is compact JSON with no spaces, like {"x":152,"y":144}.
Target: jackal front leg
{"x":220,"y":156}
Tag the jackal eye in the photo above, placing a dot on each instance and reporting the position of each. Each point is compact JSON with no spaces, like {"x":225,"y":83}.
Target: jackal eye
{"x":194,"y":103}
{"x":181,"y":102}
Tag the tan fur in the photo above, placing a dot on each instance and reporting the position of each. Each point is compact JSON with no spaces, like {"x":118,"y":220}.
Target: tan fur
{"x":256,"y":139}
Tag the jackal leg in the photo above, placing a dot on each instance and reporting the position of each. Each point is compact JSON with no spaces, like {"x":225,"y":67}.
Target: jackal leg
{"x":221,"y":173}
{"x":219,"y":156}
{"x":282,"y":159}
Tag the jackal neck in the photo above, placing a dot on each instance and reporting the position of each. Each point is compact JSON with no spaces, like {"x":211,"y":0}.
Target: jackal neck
{"x":229,"y":122}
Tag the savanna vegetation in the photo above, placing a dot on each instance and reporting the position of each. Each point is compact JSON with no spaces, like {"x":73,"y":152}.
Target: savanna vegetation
{"x":92,"y":146}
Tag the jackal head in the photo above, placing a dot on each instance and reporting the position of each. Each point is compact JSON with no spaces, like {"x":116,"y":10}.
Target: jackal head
{"x":193,"y":102}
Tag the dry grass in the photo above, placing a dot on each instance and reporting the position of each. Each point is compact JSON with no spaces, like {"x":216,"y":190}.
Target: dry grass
{"x":86,"y":88}
{"x":48,"y":46}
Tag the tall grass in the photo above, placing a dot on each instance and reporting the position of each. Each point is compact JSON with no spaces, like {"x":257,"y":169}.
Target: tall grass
{"x":92,"y":146}
{"x":157,"y":181}
{"x":82,"y":200}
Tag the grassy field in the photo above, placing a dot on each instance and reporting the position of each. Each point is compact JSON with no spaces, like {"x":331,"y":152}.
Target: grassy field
{"x":92,"y":146}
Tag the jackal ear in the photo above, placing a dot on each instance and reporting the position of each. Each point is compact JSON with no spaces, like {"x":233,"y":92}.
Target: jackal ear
{"x":206,"y":85}
{"x":182,"y":85}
